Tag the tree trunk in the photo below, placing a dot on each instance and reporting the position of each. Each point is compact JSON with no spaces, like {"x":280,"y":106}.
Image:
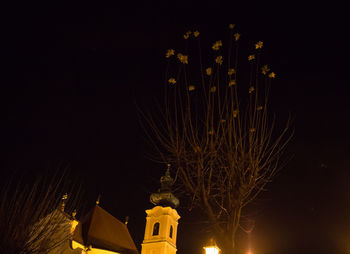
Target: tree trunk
{"x":227,"y":245}
{"x":226,"y":239}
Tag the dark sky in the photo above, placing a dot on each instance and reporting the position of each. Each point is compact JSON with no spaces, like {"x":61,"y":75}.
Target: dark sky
{"x":73,"y":73}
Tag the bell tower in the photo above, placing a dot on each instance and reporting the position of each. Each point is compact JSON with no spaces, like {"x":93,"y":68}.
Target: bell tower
{"x":162,"y":220}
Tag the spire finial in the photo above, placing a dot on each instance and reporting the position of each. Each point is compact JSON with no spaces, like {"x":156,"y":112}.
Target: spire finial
{"x":98,"y":199}
{"x":63,"y":201}
{"x":126,"y":220}
{"x":165,"y":197}
{"x":166,"y":182}
{"x":74,"y":213}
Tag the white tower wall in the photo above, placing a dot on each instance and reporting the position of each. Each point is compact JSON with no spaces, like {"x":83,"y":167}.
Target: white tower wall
{"x":164,"y":242}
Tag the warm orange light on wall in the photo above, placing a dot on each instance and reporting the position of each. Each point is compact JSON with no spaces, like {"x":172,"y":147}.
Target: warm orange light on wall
{"x":74,"y":223}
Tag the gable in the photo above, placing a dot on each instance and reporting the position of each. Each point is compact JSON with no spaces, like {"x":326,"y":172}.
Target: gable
{"x":101,"y":230}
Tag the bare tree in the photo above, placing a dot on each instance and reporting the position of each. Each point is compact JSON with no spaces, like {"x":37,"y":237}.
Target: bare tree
{"x":32,"y":217}
{"x":215,"y":129}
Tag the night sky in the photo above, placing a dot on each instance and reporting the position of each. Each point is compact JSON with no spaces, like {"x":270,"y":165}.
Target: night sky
{"x":72,"y":75}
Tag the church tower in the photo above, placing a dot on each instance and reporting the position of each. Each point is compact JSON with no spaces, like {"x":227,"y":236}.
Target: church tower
{"x":162,"y":220}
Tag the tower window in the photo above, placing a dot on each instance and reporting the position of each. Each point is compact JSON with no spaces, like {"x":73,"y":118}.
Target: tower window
{"x":171,"y":232}
{"x":156,"y":229}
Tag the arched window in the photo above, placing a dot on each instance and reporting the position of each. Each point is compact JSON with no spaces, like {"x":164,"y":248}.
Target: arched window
{"x":156,"y":229}
{"x":171,"y":232}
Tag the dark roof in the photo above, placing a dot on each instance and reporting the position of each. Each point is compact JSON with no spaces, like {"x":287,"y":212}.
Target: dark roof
{"x":101,"y":230}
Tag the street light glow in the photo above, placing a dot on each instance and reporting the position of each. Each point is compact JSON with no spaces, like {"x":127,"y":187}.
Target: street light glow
{"x":212,"y":248}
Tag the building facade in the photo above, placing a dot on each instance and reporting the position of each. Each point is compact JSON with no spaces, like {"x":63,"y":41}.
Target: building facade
{"x":98,"y":232}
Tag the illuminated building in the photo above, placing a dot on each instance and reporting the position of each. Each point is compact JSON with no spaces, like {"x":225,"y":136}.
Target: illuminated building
{"x":162,"y":220}
{"x":98,"y":232}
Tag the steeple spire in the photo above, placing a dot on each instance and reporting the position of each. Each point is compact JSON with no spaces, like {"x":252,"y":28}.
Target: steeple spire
{"x":98,"y":199}
{"x":166,"y":182}
{"x":164,"y":196}
{"x":64,"y":201}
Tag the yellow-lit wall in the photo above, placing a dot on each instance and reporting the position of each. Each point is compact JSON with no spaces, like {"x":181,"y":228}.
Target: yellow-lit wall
{"x":78,"y":246}
{"x":91,"y":250}
{"x":73,"y":224}
{"x":161,"y":243}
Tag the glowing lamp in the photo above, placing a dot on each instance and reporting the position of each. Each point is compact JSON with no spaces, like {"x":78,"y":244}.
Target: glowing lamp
{"x":212,"y":248}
